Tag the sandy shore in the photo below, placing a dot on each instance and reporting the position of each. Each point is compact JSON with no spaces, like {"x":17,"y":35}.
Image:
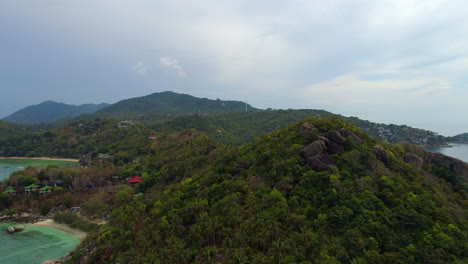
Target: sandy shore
{"x":41,"y":158}
{"x":53,"y":224}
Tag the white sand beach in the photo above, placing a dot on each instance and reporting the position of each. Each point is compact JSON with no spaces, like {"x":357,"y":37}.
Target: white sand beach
{"x":53,"y":224}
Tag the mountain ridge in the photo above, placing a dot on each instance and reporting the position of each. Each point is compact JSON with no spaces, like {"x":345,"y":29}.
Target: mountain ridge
{"x":50,"y":111}
{"x":170,"y":103}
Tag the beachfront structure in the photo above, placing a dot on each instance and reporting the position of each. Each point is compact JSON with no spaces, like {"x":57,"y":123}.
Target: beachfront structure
{"x":10,"y":190}
{"x":135,"y":179}
{"x":31,"y":188}
{"x":45,"y":190}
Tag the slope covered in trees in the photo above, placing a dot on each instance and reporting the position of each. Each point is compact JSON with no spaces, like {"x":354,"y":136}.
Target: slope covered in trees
{"x":161,"y":104}
{"x":320,"y":191}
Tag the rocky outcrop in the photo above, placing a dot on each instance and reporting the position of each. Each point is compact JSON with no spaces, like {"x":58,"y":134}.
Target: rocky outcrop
{"x":456,"y":166}
{"x":346,"y":133}
{"x":317,"y":154}
{"x":414,"y":160}
{"x":322,"y":162}
{"x":382,"y":155}
{"x":307,"y":129}
{"x":313,"y":149}
{"x":335,"y":137}
{"x":23,"y":218}
{"x":333,"y":147}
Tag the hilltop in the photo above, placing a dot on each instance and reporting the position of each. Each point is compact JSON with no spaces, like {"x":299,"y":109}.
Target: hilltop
{"x":169,"y":103}
{"x":49,"y":111}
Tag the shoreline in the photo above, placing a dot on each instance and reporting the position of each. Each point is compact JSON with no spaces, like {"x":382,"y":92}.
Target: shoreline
{"x":41,"y":158}
{"x":51,"y":223}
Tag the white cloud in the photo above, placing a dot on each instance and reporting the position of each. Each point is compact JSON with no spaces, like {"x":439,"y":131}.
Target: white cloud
{"x":172,"y":65}
{"x":140,"y":68}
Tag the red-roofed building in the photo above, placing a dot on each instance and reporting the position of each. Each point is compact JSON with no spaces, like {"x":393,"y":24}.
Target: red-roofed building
{"x":135,"y":179}
{"x":152,"y":136}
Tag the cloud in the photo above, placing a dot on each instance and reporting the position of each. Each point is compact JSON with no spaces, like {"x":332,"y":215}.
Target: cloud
{"x":172,"y":65}
{"x":140,"y":68}
{"x":393,"y":53}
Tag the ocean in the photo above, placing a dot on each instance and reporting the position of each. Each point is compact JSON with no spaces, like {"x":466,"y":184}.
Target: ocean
{"x":459,"y":151}
{"x":8,"y":166}
{"x":35,"y":244}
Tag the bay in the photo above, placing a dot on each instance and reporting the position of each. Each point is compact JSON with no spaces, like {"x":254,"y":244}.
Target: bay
{"x":459,"y":151}
{"x":35,"y":244}
{"x":8,"y":166}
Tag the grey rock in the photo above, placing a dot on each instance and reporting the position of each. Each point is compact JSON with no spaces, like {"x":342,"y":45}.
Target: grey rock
{"x":346,"y":133}
{"x":333,"y":148}
{"x":336,"y":137}
{"x":456,"y":166}
{"x":321,"y":162}
{"x":382,"y":155}
{"x":414,"y":160}
{"x":314,"y":148}
{"x":307,"y":129}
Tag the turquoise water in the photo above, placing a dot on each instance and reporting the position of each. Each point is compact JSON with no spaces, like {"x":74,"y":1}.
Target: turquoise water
{"x":459,"y":151}
{"x":35,"y":244}
{"x":8,"y":166}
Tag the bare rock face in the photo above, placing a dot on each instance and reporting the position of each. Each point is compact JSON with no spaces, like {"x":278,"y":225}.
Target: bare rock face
{"x":382,"y":155}
{"x":307,"y":129}
{"x":313,"y":149}
{"x":346,"y":133}
{"x":456,"y":166}
{"x":414,"y":160}
{"x":335,"y":137}
{"x":321,"y":162}
{"x":334,"y":148}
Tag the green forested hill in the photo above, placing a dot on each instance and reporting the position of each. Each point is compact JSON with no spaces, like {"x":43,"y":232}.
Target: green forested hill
{"x":78,"y":139}
{"x":462,"y":138}
{"x":242,"y":127}
{"x":81,"y":137}
{"x":49,"y":111}
{"x":320,"y":191}
{"x":168,"y":103}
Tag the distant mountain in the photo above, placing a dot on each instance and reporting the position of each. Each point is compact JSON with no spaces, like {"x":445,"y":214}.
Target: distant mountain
{"x":50,"y":111}
{"x":169,"y":103}
{"x":461,"y":139}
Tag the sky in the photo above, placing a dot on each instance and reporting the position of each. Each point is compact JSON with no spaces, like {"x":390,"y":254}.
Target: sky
{"x":387,"y":61}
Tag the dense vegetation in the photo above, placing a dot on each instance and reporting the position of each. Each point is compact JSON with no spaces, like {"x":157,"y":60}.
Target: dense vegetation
{"x":77,"y":139}
{"x":262,"y":203}
{"x":168,"y":103}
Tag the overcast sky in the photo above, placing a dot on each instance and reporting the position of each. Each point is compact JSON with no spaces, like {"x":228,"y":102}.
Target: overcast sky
{"x":401,"y":62}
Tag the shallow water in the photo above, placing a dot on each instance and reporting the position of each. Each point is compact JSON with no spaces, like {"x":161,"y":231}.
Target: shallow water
{"x":35,"y":244}
{"x":8,"y":166}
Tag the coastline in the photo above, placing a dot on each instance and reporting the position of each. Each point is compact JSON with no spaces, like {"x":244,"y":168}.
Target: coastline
{"x":41,"y":158}
{"x":63,"y":227}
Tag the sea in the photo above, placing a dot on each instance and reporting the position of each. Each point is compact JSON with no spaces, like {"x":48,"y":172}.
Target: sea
{"x":459,"y":151}
{"x":35,"y":244}
{"x":8,"y":166}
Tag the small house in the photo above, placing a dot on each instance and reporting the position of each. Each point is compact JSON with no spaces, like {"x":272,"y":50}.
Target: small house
{"x":135,"y":179}
{"x":152,"y":137}
{"x":10,"y":190}
{"x":45,"y":190}
{"x":31,"y":188}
